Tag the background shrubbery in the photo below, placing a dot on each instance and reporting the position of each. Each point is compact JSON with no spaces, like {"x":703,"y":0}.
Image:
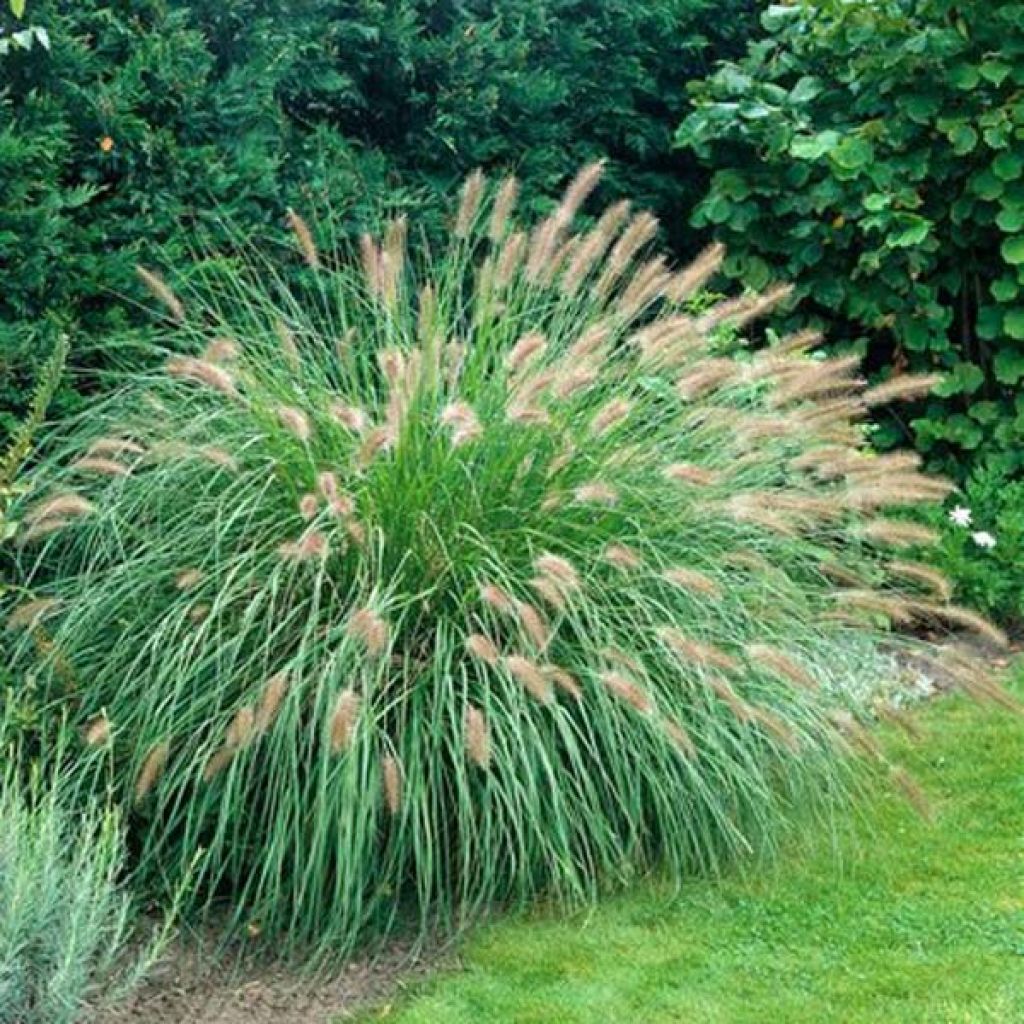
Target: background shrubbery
{"x":874,"y":154}
{"x":147,"y":119}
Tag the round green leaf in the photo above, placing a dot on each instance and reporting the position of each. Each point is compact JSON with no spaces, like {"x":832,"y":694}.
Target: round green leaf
{"x":1013,"y":323}
{"x":1011,"y":218}
{"x":1009,"y":366}
{"x":1007,"y":166}
{"x":1013,"y":250}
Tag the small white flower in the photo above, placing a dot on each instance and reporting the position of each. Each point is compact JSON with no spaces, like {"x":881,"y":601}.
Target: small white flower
{"x":960,"y":516}
{"x":983,"y":539}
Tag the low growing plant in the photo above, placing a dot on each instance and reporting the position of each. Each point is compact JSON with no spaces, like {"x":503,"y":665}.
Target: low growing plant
{"x":435,"y":582}
{"x":982,"y":545}
{"x":65,"y":918}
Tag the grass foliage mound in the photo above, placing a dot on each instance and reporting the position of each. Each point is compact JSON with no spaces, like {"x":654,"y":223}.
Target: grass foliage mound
{"x":442,"y":580}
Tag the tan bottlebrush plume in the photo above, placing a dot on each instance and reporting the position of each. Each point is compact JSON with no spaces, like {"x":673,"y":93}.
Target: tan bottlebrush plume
{"x":188,"y":579}
{"x":619,"y":657}
{"x":274,"y":692}
{"x":340,"y":504}
{"x":862,"y":466}
{"x":501,"y":211}
{"x":391,"y":782}
{"x":482,"y":647}
{"x":161,"y":291}
{"x":841,"y":574}
{"x":690,"y":280}
{"x":43,"y":529}
{"x":558,"y":570}
{"x":530,"y":677}
{"x":647,"y":285}
{"x":60,"y":506}
{"x":29,"y":613}
{"x":748,"y":560}
{"x":221,"y":350}
{"x":472,"y":193}
{"x":871,"y":602}
{"x":627,"y":690}
{"x":510,"y":259}
{"x":533,"y":624}
{"x":563,"y":681}
{"x":622,"y":557}
{"x":377,"y":440}
{"x":102,"y":466}
{"x":393,"y":261}
{"x":153,"y":766}
{"x":898,"y":533}
{"x":525,"y":351}
{"x":199,"y":613}
{"x":903,"y":388}
{"x":640,"y":230}
{"x":218,"y":456}
{"x":974,"y":676}
{"x":593,"y":246}
{"x":198,"y":371}
{"x":493,"y":595}
{"x":779,"y":664}
{"x":913,"y":793}
{"x":744,"y":309}
{"x":896,"y":489}
{"x":888,"y":712}
{"x":697,"y":652}
{"x":218,"y":761}
{"x":855,"y":734}
{"x":368,"y":627}
{"x":725,"y":693}
{"x":572,"y":381}
{"x":461,"y":418}
{"x":687,"y":472}
{"x":296,"y":421}
{"x":610,"y":415}
{"x":311,"y":545}
{"x":561,"y":460}
{"x":542,"y":243}
{"x":926,"y":575}
{"x":692,"y":580}
{"x":799,"y":342}
{"x":115,"y":446}
{"x":305,"y":239}
{"x":757,"y":508}
{"x":240,"y":729}
{"x":774,"y":726}
{"x":681,"y":738}
{"x":529,"y":388}
{"x":96,"y":731}
{"x":369,"y":259}
{"x":954,"y":615}
{"x":705,"y":377}
{"x":596,"y":493}
{"x":309,"y":505}
{"x":667,"y":343}
{"x":286,"y":339}
{"x":478,"y":737}
{"x":350,"y":417}
{"x":344,"y":716}
{"x":576,"y":193}
{"x":548,"y":592}
{"x":593,"y":341}
{"x":818,"y":379}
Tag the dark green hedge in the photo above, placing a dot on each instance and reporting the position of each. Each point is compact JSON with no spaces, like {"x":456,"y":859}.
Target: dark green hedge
{"x":148,"y":119}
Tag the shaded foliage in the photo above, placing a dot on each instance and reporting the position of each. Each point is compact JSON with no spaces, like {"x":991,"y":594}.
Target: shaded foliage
{"x":873,"y":152}
{"x":148,"y":119}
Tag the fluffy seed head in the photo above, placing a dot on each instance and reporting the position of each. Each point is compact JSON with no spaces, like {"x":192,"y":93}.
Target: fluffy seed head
{"x":530,"y":677}
{"x":369,"y":628}
{"x":478,"y":738}
{"x":343,"y":720}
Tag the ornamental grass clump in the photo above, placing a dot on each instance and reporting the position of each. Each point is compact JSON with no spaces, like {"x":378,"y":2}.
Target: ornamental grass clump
{"x":435,"y":582}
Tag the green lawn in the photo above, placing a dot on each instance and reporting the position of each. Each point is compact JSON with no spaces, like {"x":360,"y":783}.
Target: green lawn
{"x":900,"y":921}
